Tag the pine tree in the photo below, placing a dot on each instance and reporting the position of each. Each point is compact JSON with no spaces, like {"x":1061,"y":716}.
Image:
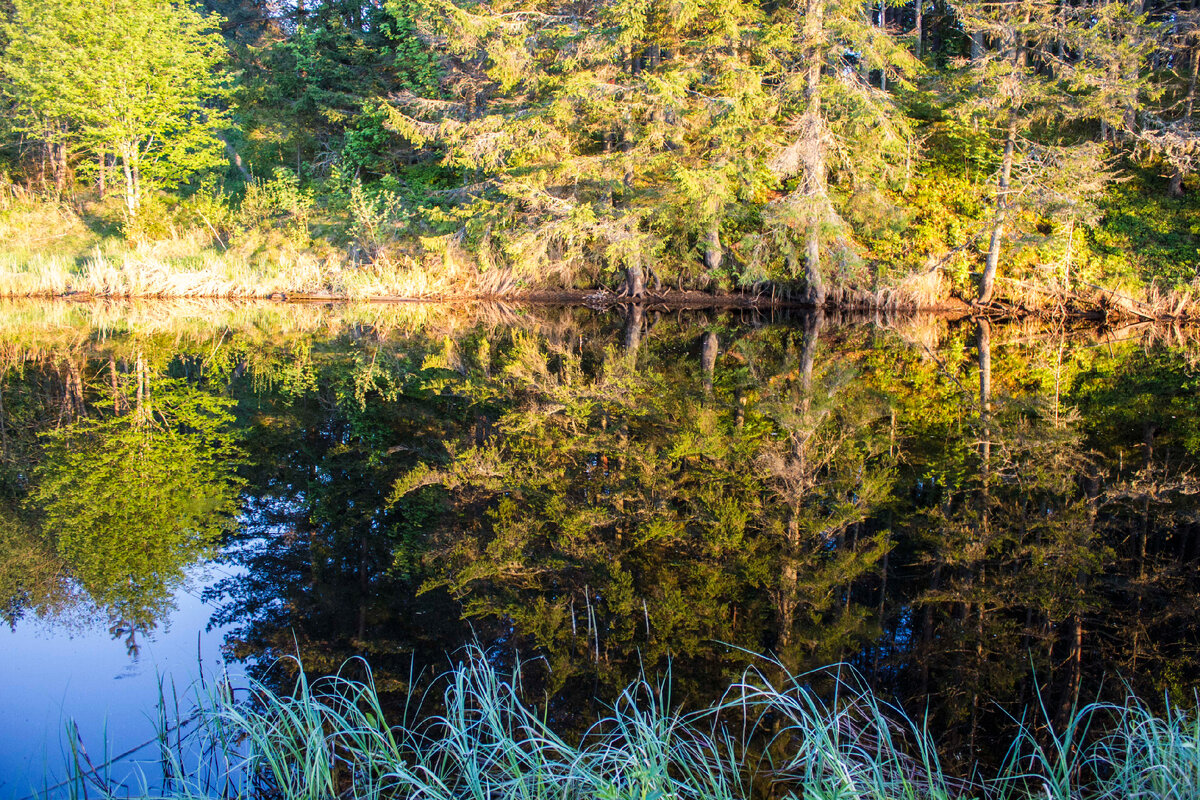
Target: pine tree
{"x":1014,"y":81}
{"x":826,"y":97}
{"x":1040,"y":74}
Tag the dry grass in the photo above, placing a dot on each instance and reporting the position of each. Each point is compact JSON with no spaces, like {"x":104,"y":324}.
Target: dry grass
{"x":142,"y":273}
{"x":48,"y":249}
{"x":922,"y":331}
{"x":924,"y":289}
{"x":1116,"y":301}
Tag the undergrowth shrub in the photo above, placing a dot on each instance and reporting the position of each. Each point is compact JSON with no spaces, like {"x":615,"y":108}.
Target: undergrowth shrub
{"x":278,"y":203}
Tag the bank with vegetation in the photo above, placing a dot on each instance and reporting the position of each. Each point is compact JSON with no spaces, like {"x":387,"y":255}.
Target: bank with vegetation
{"x":831,"y":151}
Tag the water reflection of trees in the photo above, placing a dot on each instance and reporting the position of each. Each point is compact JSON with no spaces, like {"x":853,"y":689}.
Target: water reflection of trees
{"x":326,"y":568}
{"x":129,"y":486}
{"x":972,"y":519}
{"x":1022,"y":532}
{"x":626,"y":506}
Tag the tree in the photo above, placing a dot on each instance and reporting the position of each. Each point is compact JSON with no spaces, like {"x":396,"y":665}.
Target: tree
{"x":824,"y":97}
{"x":1170,"y":130}
{"x":1037,"y":73}
{"x":619,"y":133}
{"x":138,"y":79}
{"x":1012,"y":91}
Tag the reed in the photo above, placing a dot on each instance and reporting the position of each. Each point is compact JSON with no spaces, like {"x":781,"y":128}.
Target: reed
{"x":770,"y":735}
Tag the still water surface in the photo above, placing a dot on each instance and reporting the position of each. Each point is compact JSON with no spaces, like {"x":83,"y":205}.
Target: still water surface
{"x":970,"y":514}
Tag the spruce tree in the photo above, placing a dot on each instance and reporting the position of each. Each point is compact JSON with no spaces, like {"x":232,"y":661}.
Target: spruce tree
{"x":632,"y":134}
{"x":1040,"y":77}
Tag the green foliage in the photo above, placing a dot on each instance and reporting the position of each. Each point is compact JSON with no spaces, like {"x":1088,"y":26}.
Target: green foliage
{"x":276,"y":203}
{"x":417,"y":68}
{"x":132,"y":501}
{"x":619,"y":156}
{"x":367,"y":143}
{"x":1147,"y":234}
{"x":377,"y":215}
{"x":135,"y":80}
{"x":32,"y":576}
{"x":310,"y":99}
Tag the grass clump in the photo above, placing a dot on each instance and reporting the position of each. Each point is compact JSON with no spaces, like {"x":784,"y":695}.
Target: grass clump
{"x":477,"y":739}
{"x":275,"y":241}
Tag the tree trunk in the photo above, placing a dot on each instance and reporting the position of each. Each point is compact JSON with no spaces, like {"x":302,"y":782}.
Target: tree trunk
{"x":131,"y":191}
{"x":1175,"y":188}
{"x":985,"y":420}
{"x":1191,"y":95}
{"x":1070,"y":695}
{"x":815,"y":286}
{"x":813,"y":322}
{"x":364,"y":590}
{"x":235,"y":158}
{"x":44,"y":153}
{"x":102,"y":178}
{"x":713,"y":254}
{"x":75,"y":389}
{"x":919,"y":29}
{"x":3,"y":425}
{"x":935,"y":584}
{"x":58,"y":157}
{"x":1148,"y":432}
{"x":635,"y":281}
{"x":988,"y":282}
{"x":813,"y":154}
{"x":633,"y":329}
{"x":142,"y":389}
{"x":654,"y":55}
{"x":789,"y":580}
{"x":882,"y":28}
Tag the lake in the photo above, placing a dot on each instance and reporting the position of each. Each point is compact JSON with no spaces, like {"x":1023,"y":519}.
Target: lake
{"x":977,"y":517}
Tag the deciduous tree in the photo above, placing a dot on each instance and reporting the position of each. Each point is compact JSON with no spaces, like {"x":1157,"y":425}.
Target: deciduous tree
{"x":137,"y":78}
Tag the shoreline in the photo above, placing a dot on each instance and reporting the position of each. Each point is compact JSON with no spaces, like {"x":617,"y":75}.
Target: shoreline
{"x":1123,"y":310}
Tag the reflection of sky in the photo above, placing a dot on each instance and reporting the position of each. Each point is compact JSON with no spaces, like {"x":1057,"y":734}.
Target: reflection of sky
{"x":48,"y":676}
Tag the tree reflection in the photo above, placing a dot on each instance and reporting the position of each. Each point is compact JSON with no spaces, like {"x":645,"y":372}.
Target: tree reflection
{"x":621,"y":515}
{"x":975,"y":515}
{"x":326,"y":569}
{"x":122,"y":499}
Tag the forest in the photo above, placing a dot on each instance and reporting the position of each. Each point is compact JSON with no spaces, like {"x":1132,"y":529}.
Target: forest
{"x":1019,"y":154}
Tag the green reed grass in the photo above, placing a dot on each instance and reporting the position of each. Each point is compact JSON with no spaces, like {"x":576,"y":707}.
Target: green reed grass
{"x":770,"y":736}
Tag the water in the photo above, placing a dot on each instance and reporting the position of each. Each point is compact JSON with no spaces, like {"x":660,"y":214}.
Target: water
{"x":978,"y":518}
{"x":54,"y":674}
